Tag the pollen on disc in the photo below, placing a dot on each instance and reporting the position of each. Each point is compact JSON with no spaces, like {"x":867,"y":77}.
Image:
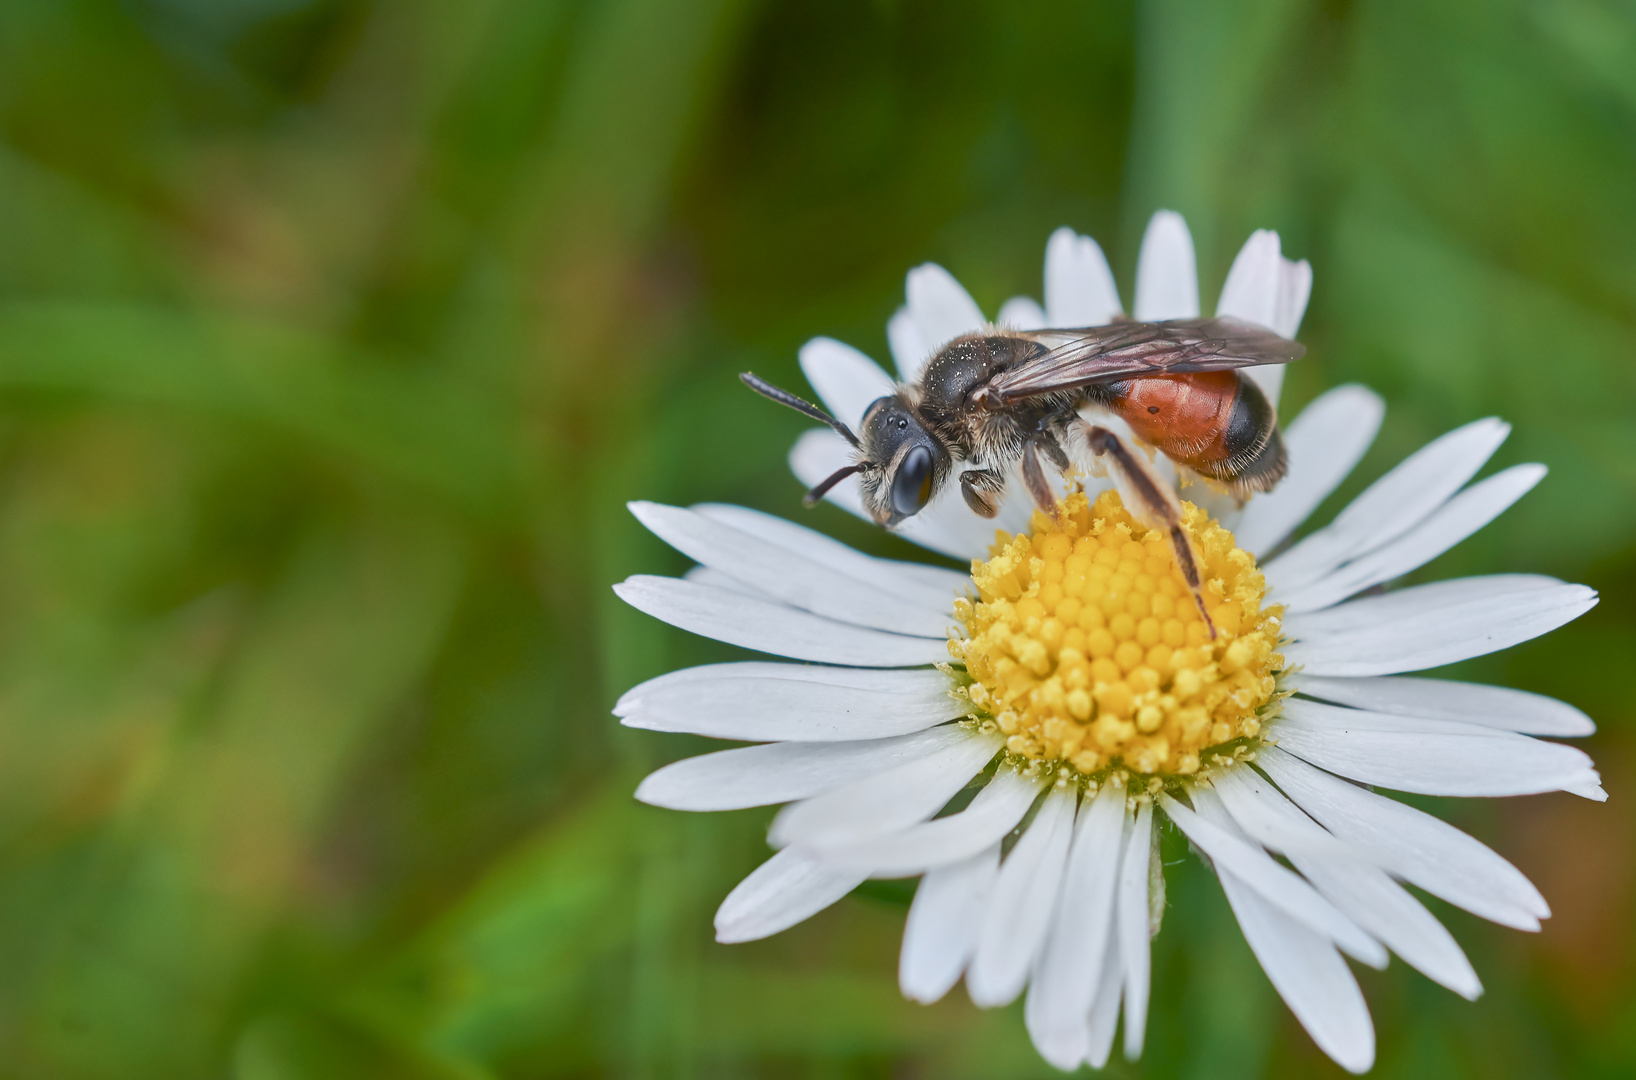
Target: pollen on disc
{"x":1086,"y":648}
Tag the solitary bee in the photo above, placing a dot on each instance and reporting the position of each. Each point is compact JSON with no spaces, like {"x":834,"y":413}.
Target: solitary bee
{"x":988,"y":399}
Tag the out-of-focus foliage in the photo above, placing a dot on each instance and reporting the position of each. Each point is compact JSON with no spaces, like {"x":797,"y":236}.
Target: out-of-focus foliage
{"x":334,"y":334}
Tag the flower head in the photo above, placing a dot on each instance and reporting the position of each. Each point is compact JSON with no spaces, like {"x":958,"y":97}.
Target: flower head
{"x":1084,"y":645}
{"x":1069,"y":680}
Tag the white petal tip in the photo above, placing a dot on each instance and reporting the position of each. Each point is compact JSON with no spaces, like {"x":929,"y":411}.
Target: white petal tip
{"x":1059,"y":1057}
{"x":1372,"y":959}
{"x":1357,"y":1066}
{"x":654,"y":794}
{"x":990,"y":997}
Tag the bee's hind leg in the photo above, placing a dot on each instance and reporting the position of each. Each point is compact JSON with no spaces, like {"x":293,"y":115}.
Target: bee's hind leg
{"x":1153,"y":502}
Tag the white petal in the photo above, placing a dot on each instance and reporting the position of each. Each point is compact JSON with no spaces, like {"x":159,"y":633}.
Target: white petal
{"x":784,"y":772}
{"x":1411,"y":844}
{"x":1020,"y":909}
{"x":773,"y":628}
{"x":992,"y":814}
{"x":846,"y":380}
{"x":1347,"y":878}
{"x":1442,"y":699}
{"x":910,"y":351}
{"x":1392,"y":505}
{"x":1252,"y":286}
{"x":786,"y":889}
{"x":1081,"y":936}
{"x":1021,"y":313}
{"x":1322,"y":716}
{"x":704,"y":575}
{"x":1061,"y":1053}
{"x":1455,"y":520}
{"x":784,"y":575}
{"x":1294,"y":289}
{"x":901,"y":796}
{"x":1432,"y":763}
{"x":1131,"y":919}
{"x":1431,"y":625}
{"x":1407,"y":605}
{"x":1208,"y":829}
{"x":874,"y":679}
{"x":942,"y":308}
{"x":1293,"y":286}
{"x":773,"y":707}
{"x":1104,"y":1011}
{"x":1079,"y":288}
{"x":1588,"y":788}
{"x":1385,"y":909}
{"x":1271,"y":820}
{"x":1308,"y":974}
{"x":1325,"y":443}
{"x":1167,"y":278}
{"x":929,"y":586}
{"x":941,"y":931}
{"x":819,"y":452}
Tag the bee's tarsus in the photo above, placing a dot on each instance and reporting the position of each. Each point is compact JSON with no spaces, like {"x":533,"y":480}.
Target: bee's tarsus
{"x":1190,"y":573}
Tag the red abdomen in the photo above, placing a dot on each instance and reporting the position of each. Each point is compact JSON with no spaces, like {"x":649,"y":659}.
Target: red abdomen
{"x":1185,"y":416}
{"x":1216,"y":423}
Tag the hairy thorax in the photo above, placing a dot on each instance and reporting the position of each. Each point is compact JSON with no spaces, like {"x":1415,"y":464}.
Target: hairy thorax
{"x":963,"y":367}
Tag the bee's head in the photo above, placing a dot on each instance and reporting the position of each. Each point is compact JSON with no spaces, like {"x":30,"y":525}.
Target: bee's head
{"x":908,"y":463}
{"x":899,"y":463}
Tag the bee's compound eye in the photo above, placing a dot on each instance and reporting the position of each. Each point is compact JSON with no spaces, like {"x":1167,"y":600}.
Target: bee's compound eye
{"x":912,"y":485}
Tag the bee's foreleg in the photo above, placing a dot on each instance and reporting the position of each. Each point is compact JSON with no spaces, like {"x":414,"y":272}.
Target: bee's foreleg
{"x":1151,"y":501}
{"x":982,"y":489}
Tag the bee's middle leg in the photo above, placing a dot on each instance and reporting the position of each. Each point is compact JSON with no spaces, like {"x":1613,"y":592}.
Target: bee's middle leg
{"x":1155,"y":503}
{"x":1039,"y":487}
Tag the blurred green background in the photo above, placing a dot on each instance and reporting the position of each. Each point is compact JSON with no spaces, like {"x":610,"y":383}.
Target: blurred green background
{"x":334,"y":335}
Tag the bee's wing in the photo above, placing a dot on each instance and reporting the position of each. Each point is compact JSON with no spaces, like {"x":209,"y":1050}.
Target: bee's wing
{"x":1099,"y":354}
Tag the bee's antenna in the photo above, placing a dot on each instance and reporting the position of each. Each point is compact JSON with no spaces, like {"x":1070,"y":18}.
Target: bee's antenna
{"x":821,"y":489}
{"x":805,"y":408}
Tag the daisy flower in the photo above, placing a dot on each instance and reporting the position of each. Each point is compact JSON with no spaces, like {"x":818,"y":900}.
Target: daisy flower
{"x":1013,"y":734}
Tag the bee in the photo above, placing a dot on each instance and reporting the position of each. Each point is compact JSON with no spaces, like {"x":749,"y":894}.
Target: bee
{"x":987,"y":401}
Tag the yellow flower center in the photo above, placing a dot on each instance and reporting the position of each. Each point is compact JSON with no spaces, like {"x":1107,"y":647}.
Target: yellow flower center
{"x":1087,"y":649}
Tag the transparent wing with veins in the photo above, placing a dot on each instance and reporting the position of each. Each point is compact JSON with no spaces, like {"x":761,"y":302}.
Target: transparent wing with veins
{"x":1100,"y":354}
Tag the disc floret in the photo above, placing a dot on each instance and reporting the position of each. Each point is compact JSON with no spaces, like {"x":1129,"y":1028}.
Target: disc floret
{"x":1086,"y":648}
